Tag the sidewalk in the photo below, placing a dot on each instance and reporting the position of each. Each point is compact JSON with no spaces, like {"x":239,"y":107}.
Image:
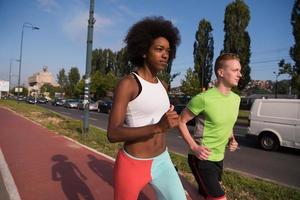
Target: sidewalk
{"x":47,"y":166}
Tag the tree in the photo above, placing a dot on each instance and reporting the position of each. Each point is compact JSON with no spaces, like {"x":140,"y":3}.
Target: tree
{"x":123,"y":66}
{"x":73,"y":78}
{"x":101,"y":84}
{"x":48,"y":88}
{"x":237,"y":39}
{"x":204,"y":53}
{"x":287,"y":68}
{"x":98,"y":61}
{"x":191,"y":85}
{"x":62,"y":79}
{"x":103,"y":60}
{"x":79,"y":88}
{"x":283,"y":87}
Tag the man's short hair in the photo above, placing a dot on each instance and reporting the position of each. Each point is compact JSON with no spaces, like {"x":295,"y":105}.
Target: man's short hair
{"x":222,"y":58}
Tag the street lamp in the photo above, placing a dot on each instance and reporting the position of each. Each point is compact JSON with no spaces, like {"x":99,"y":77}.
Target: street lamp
{"x":276,"y":82}
{"x":89,"y":47}
{"x":25,"y":25}
{"x":10,"y":73}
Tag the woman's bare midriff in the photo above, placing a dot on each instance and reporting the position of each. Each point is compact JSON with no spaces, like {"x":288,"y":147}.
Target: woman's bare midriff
{"x":147,"y":148}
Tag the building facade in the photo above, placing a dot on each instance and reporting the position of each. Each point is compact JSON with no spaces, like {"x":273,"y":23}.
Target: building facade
{"x":37,"y":80}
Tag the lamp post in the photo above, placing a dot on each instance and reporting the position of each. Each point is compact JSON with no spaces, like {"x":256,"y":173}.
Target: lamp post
{"x":9,"y":77}
{"x":86,"y":101}
{"x":276,"y":82}
{"x":25,"y":25}
{"x":10,"y":74}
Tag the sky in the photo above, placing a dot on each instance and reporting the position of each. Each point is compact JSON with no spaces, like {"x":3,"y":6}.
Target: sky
{"x":61,"y":40}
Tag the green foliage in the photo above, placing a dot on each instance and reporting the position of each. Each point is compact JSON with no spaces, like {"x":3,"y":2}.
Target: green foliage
{"x":237,"y":39}
{"x":73,"y":79}
{"x":123,"y":66}
{"x":191,"y":85}
{"x":101,"y":84}
{"x":79,"y":88}
{"x":236,"y":90}
{"x":204,"y":53}
{"x":100,"y":60}
{"x":283,"y":87}
{"x":246,"y":188}
{"x":62,"y":78}
{"x":73,"y":76}
{"x":48,"y":88}
{"x":106,"y":61}
{"x":286,"y":68}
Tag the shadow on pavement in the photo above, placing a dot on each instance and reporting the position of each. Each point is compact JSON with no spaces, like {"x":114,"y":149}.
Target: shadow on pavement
{"x":104,"y":170}
{"x":101,"y":168}
{"x":71,"y":178}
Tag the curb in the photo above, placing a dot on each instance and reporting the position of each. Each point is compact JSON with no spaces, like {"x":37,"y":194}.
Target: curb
{"x":10,"y":189}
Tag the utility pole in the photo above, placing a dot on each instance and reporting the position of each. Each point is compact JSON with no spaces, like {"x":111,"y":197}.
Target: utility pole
{"x":276,"y":84}
{"x":10,"y":66}
{"x":86,"y":101}
{"x":25,"y":25}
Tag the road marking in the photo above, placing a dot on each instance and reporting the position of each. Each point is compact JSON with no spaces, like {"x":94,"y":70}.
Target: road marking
{"x":180,"y":137}
{"x":8,"y":180}
{"x":89,"y":148}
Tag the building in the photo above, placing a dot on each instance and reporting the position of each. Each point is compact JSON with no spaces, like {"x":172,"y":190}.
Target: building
{"x":4,"y":87}
{"x":37,"y":80}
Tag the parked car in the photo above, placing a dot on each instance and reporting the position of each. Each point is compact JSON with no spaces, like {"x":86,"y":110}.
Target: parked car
{"x":275,"y":122}
{"x":92,"y":107}
{"x":42,"y":100}
{"x":71,"y":103}
{"x":105,"y":106}
{"x":31,"y":100}
{"x":58,"y":102}
{"x":21,"y":98}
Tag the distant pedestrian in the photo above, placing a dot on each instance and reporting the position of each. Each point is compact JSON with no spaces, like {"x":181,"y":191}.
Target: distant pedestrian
{"x":141,"y":114}
{"x":220,"y":108}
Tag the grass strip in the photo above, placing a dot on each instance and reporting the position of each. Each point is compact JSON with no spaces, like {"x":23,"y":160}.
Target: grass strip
{"x":237,"y":186}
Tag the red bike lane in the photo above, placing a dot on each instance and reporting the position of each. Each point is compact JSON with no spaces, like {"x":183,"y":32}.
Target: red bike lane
{"x":45,"y":165}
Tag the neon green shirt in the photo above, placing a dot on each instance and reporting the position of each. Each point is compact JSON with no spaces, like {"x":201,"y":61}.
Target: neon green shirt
{"x":220,"y":113}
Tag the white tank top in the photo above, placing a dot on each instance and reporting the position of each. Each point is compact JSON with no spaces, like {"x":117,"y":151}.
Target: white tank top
{"x":149,"y":106}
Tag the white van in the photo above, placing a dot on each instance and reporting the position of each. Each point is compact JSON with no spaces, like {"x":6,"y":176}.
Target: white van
{"x":275,"y":122}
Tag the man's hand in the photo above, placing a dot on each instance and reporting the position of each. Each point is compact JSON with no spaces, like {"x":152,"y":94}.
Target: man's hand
{"x":233,"y":145}
{"x":201,"y":152}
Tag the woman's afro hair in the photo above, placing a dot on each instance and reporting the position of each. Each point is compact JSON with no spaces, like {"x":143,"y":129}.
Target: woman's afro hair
{"x":141,"y":35}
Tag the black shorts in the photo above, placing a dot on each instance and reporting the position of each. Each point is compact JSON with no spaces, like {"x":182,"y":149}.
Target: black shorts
{"x":208,"y":175}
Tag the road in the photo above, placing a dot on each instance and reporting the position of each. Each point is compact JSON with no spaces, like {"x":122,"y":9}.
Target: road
{"x":282,"y":166}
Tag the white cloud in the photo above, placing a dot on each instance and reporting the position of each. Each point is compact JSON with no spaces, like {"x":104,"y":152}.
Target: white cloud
{"x":76,"y":27}
{"x":48,"y":5}
{"x":127,"y":11}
